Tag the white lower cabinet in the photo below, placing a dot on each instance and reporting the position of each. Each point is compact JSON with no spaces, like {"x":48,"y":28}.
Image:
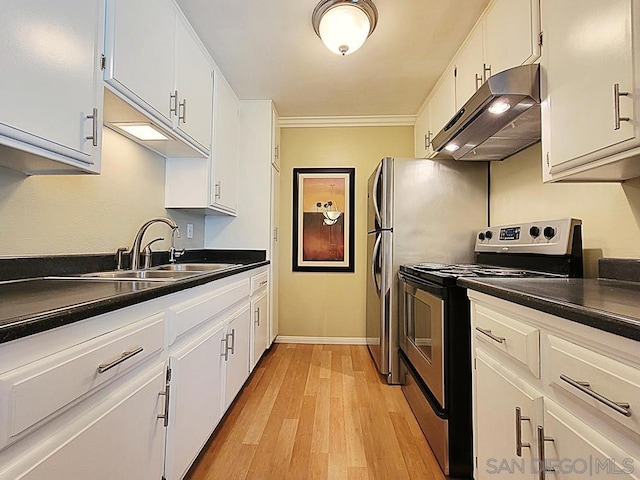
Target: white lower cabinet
{"x":260,"y":316}
{"x":577,"y":419}
{"x":197,"y":373}
{"x":236,"y":355}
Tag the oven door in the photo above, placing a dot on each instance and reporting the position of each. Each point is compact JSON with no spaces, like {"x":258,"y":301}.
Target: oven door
{"x":422,"y":332}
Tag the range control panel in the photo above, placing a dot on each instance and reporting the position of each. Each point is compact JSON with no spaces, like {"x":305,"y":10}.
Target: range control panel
{"x":547,"y":237}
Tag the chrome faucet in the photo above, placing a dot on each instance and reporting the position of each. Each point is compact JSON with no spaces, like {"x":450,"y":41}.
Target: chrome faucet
{"x":137,"y":242}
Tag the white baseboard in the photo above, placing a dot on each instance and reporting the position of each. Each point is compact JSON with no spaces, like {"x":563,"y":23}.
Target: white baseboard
{"x":322,"y":340}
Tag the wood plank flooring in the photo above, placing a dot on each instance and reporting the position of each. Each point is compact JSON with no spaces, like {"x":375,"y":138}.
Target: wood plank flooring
{"x":317,"y":412}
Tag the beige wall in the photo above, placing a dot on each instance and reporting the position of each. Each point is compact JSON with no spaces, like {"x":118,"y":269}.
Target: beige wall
{"x":331,"y":304}
{"x":610,"y":212}
{"x":89,"y":213}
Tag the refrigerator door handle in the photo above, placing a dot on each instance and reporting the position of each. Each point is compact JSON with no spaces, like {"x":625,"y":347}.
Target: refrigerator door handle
{"x":374,"y":259}
{"x":374,"y":193}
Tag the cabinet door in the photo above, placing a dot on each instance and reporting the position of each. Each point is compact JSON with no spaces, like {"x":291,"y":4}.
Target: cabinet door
{"x":238,"y":340}
{"x":124,"y":442}
{"x":260,"y":321}
{"x":442,"y":103}
{"x":141,"y":50}
{"x":588,"y":50}
{"x":196,"y":399}
{"x":469,"y":68}
{"x":275,"y":255}
{"x":511,"y":34}
{"x":194,"y":83}
{"x":422,"y":134}
{"x":578,"y":451}
{"x":275,"y":140}
{"x":51,"y":80}
{"x":226,"y":135}
{"x":496,"y":428}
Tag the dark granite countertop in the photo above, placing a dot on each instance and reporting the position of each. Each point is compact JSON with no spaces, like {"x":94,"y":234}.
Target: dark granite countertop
{"x":609,"y":305}
{"x":34,"y":305}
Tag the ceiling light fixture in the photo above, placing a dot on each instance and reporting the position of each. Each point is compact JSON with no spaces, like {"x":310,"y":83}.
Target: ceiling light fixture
{"x":344,"y":25}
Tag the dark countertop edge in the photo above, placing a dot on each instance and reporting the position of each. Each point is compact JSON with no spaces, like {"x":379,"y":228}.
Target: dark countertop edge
{"x":602,"y":320}
{"x":25,"y":326}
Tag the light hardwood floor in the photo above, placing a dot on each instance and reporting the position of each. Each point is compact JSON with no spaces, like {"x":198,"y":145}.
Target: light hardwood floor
{"x":317,"y":412}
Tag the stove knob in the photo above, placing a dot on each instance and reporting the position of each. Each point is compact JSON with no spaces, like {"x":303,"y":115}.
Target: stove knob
{"x":534,"y":231}
{"x":488,"y":234}
{"x":481,"y":236}
{"x":549,"y":232}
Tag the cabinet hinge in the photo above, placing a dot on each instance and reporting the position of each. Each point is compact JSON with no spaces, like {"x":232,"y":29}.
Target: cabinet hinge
{"x":476,"y":466}
{"x":169,"y":374}
{"x":475,"y":363}
{"x":103,"y":62}
{"x":540,"y":38}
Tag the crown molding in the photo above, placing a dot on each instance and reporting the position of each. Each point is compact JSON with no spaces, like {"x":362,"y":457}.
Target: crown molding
{"x":351,"y":121}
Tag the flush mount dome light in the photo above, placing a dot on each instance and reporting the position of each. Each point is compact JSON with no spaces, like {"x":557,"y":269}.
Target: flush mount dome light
{"x":344,"y":25}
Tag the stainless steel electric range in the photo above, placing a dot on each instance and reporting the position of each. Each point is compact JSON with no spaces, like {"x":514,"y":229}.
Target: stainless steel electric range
{"x":435,"y":337}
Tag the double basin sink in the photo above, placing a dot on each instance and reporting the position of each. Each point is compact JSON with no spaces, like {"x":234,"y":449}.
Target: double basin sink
{"x":163,"y":273}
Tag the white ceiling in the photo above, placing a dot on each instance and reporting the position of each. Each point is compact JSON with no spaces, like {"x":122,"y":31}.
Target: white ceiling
{"x":267,"y":49}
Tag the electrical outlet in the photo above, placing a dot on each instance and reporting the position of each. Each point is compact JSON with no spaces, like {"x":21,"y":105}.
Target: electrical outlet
{"x":189,"y":230}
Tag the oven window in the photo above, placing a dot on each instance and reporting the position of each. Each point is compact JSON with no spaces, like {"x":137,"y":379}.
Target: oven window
{"x":419,"y":323}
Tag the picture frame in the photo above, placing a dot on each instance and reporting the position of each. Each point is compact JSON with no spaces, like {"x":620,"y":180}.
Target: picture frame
{"x":323,"y":220}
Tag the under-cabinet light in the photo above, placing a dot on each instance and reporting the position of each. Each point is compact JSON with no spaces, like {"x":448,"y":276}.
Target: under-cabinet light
{"x":142,"y":131}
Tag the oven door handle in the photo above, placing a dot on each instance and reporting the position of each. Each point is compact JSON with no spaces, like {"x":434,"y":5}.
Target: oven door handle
{"x":423,"y":285}
{"x":374,"y":259}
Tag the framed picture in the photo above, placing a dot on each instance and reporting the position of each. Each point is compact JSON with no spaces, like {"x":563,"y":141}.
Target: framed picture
{"x":323,"y":219}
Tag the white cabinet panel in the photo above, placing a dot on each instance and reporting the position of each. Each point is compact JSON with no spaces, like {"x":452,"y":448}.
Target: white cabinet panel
{"x":422,"y":134}
{"x":194,"y":84}
{"x":197,"y":375}
{"x":238,"y":352}
{"x":469,"y":63}
{"x":142,"y":59}
{"x":226,"y":137}
{"x":260,"y":322}
{"x":275,"y":255}
{"x":51,"y":79}
{"x":589,"y":50}
{"x":442,"y":103}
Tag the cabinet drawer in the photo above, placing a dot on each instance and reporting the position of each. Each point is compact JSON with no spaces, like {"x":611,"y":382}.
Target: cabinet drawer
{"x":39,"y":390}
{"x":517,"y":339}
{"x":572,"y":367}
{"x":190,"y":314}
{"x":259,"y":281}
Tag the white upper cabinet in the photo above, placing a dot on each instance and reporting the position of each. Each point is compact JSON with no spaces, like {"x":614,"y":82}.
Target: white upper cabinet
{"x":422,"y":134}
{"x":51,"y":115}
{"x":442,"y":103}
{"x":194,"y":84}
{"x":226,"y":140}
{"x":157,"y":65}
{"x":590,"y":79}
{"x":140,"y":53}
{"x":470,"y":68}
{"x":511,"y":35}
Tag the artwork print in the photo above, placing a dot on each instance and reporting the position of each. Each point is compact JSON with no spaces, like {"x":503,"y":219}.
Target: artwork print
{"x":323,"y":219}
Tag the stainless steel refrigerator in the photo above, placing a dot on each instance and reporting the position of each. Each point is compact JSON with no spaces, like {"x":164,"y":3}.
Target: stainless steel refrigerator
{"x":418,"y":211}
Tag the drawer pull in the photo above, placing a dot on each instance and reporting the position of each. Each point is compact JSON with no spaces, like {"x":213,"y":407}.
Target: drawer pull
{"x":620,"y":407}
{"x":543,"y":469}
{"x":519,"y":419}
{"x":264,"y":282}
{"x":167,"y":395}
{"x":491,"y":335}
{"x":103,"y":367}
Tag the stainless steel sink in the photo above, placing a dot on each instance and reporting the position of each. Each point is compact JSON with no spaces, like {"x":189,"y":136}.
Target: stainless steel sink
{"x":194,"y":267}
{"x":164,"y":273}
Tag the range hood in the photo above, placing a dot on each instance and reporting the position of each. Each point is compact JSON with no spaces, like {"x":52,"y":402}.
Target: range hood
{"x":500,"y":119}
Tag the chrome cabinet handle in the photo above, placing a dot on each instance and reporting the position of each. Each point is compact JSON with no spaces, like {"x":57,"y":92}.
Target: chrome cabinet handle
{"x":166,"y":395}
{"x":620,"y":407}
{"x":183,"y":117}
{"x":487,"y":69}
{"x":233,"y":341}
{"x":519,"y":419}
{"x":542,"y":468}
{"x":479,"y":81}
{"x":616,"y":106}
{"x":173,"y":103}
{"x":217,"y":188}
{"x":275,"y":234}
{"x":257,"y":312}
{"x":94,"y":130}
{"x":264,"y":282}
{"x":225,"y":350}
{"x":491,"y":335}
{"x":277,"y":152}
{"x":103,"y":367}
